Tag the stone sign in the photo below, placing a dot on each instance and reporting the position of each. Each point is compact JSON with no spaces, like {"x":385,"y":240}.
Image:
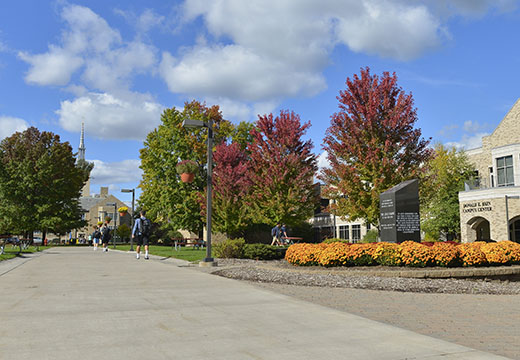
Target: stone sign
{"x":399,"y":209}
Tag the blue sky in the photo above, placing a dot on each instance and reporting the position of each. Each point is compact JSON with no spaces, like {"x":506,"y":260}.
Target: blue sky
{"x":116,"y":64}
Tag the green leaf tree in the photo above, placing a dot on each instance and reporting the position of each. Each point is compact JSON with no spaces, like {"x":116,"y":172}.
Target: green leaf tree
{"x":440,"y":185}
{"x":164,"y":196}
{"x":372,"y":145}
{"x":40,"y":184}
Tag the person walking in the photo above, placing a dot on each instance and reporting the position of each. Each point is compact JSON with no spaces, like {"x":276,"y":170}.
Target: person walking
{"x":105,"y":235}
{"x":276,"y":233}
{"x":141,"y":232}
{"x":283,"y":235}
{"x":96,"y":237}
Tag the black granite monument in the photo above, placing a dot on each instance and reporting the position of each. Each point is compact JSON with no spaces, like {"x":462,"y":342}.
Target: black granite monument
{"x":399,"y":209}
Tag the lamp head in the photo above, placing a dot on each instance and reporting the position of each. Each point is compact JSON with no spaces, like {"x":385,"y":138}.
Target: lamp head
{"x":189,"y":123}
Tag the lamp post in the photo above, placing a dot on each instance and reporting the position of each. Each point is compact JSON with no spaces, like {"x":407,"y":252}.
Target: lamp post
{"x":115,"y":220}
{"x":188,"y":123}
{"x":132,"y":218}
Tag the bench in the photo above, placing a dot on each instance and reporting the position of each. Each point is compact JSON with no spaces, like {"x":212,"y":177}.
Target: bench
{"x":21,"y":244}
{"x":289,"y":240}
{"x":195,"y":242}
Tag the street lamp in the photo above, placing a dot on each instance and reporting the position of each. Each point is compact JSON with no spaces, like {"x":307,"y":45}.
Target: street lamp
{"x":189,"y":123}
{"x":132,"y":219}
{"x":115,"y":219}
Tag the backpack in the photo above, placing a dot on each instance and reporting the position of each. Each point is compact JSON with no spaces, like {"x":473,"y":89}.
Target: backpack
{"x":145,"y":227}
{"x":106,"y":234}
{"x":273,"y":231}
{"x":97,"y":234}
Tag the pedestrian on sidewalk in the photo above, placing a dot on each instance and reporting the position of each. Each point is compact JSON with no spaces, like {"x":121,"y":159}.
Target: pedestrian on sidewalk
{"x":141,"y":232}
{"x":96,"y":237}
{"x":105,"y":235}
{"x":276,"y":234}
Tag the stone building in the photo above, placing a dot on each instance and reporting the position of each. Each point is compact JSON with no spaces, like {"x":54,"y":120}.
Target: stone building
{"x":490,"y":205}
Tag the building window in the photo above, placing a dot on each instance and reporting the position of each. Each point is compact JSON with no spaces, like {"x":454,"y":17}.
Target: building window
{"x":356,"y":232}
{"x":491,"y":177}
{"x":368,"y":227}
{"x":343,"y":232}
{"x":505,"y":175}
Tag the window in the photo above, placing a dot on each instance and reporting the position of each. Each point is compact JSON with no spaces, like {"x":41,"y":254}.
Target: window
{"x":368,"y":227}
{"x":492,"y":178}
{"x":343,"y":232}
{"x":505,"y":175}
{"x":356,"y":232}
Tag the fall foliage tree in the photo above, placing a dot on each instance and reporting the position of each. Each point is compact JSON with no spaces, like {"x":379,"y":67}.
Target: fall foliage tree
{"x":444,"y":177}
{"x":164,"y":196}
{"x":231,"y":188}
{"x":281,"y":170}
{"x":40,"y":184}
{"x":372,"y":144}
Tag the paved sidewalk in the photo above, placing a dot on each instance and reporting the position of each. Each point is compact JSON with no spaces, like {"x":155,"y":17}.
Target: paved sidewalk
{"x":74,"y":303}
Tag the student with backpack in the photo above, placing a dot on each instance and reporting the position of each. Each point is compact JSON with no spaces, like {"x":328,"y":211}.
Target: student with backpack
{"x":141,"y":231}
{"x":96,"y":235}
{"x":105,"y":235}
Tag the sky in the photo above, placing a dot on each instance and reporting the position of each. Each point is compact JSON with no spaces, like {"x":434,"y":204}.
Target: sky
{"x":115,"y":65}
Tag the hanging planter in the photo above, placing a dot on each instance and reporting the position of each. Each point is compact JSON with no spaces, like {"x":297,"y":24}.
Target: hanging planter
{"x":187,"y":170}
{"x":123,"y":210}
{"x":187,"y":177}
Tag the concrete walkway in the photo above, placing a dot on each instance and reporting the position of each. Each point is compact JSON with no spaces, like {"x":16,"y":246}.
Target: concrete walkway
{"x":75,"y":303}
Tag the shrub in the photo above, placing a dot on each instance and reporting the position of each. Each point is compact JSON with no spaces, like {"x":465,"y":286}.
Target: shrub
{"x":230,"y":248}
{"x":445,"y":254}
{"x":415,"y":254}
{"x":371,"y":236}
{"x":471,"y":254}
{"x":387,"y":254}
{"x":501,"y":253}
{"x":335,"y":254}
{"x":335,"y":240}
{"x":263,"y":252}
{"x":304,"y":254}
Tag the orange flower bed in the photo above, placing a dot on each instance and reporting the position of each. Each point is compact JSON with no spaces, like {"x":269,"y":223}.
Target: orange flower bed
{"x":304,"y":254}
{"x":471,"y":254}
{"x":408,"y":253}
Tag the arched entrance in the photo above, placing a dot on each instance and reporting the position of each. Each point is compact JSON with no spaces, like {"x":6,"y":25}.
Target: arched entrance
{"x":478,"y":229}
{"x":514,"y":229}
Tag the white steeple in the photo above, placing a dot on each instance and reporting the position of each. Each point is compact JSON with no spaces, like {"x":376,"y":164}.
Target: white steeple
{"x":81,"y":147}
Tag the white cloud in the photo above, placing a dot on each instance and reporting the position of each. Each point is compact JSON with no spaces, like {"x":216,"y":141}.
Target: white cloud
{"x":237,"y":73}
{"x":389,"y":29}
{"x":52,"y":68}
{"x":109,"y":117}
{"x":126,"y":171}
{"x":468,"y":141}
{"x":91,"y":46}
{"x":10,"y":125}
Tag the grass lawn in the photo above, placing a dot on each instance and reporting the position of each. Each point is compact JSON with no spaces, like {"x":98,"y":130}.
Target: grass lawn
{"x":185,"y":253}
{"x":11,"y":252}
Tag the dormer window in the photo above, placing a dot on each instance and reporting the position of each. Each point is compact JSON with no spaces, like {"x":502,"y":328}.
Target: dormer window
{"x":505,"y":175}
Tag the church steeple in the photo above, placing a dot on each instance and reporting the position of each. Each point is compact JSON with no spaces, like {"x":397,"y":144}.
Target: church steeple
{"x":81,"y":147}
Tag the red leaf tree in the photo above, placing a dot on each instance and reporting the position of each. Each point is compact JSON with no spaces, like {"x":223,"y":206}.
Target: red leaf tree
{"x":231,"y":185}
{"x":372,"y":144}
{"x":282,"y":169}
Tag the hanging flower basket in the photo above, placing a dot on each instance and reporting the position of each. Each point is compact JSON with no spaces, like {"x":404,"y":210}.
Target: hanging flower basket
{"x":187,"y":170}
{"x":187,"y":177}
{"x":123,"y":210}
